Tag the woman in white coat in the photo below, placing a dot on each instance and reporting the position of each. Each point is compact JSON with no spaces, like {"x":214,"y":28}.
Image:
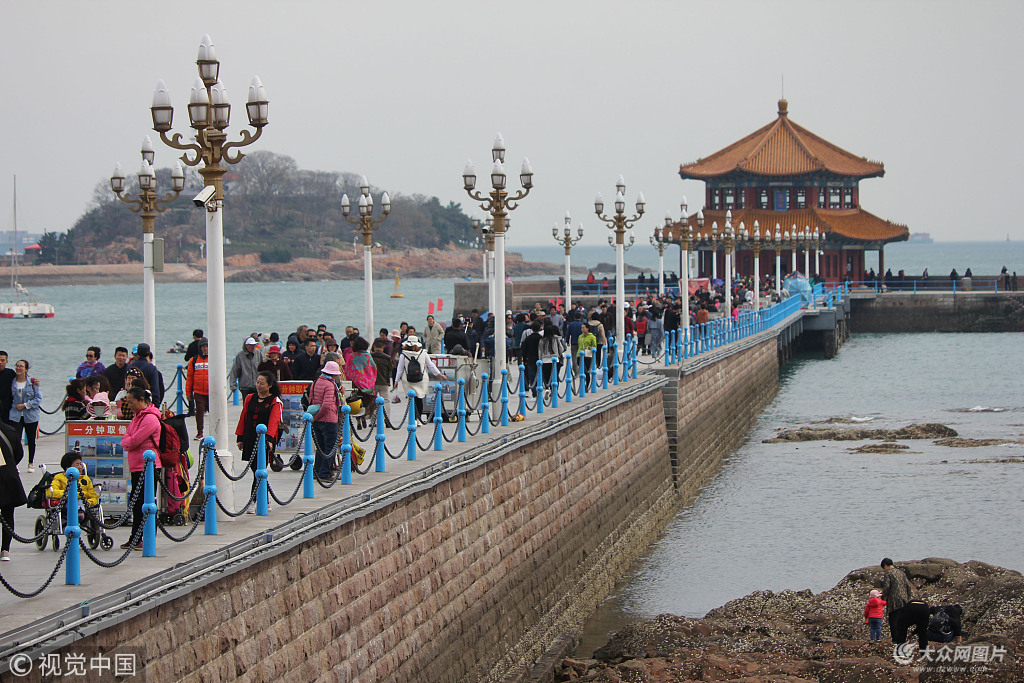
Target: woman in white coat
{"x":412,"y":350}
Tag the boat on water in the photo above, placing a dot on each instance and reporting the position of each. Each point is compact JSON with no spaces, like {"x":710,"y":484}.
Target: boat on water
{"x":18,"y":305}
{"x":920,"y":238}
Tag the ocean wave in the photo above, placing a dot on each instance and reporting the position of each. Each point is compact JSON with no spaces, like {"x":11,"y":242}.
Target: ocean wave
{"x":979,"y":409}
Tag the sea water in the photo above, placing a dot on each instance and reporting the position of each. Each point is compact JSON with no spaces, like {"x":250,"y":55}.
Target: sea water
{"x":802,"y":515}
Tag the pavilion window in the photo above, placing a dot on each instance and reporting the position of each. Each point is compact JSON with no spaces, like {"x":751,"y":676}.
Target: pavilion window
{"x":848,"y":199}
{"x":763,"y":199}
{"x":716,"y":199}
{"x":730,"y":199}
{"x":821,"y":197}
{"x":801,"y":199}
{"x":833,"y":198}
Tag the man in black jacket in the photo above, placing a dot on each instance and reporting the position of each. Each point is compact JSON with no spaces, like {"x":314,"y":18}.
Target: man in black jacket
{"x":306,"y":365}
{"x":454,"y":336}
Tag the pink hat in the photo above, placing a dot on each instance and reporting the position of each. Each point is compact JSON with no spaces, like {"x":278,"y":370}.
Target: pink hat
{"x":331,"y":368}
{"x":875,"y":594}
{"x":274,"y":349}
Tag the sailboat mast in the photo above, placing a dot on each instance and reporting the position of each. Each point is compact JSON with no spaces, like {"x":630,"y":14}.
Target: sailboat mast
{"x":14,"y":239}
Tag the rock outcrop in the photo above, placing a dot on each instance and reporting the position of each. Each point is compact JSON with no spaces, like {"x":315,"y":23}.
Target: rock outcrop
{"x":794,"y":636}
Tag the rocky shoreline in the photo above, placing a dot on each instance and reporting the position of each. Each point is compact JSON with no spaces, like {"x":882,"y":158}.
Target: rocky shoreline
{"x":799,"y":636}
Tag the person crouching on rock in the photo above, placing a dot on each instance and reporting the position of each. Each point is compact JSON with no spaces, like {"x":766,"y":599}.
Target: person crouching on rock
{"x":873,"y":614}
{"x":903,"y":610}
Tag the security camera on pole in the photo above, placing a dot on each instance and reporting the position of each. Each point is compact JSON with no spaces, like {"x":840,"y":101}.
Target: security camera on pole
{"x":619,"y":223}
{"x":498,"y":203}
{"x":209,"y":114}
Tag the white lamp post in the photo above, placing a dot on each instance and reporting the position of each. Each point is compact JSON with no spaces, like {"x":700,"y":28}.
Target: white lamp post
{"x":209,"y":114}
{"x":657,"y":240}
{"x":619,"y":223}
{"x":366,"y":224}
{"x":567,"y":241}
{"x":498,"y":203}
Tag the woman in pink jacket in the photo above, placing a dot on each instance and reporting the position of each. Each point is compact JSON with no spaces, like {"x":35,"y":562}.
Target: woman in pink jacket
{"x":143,"y":434}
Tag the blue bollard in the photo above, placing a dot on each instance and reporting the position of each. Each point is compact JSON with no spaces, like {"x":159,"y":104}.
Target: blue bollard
{"x":539,"y":387}
{"x":635,"y":356}
{"x":438,"y":435}
{"x":262,"y":504}
{"x":584,"y":374}
{"x":308,"y":490}
{"x":236,"y":395}
{"x":568,"y":377}
{"x":180,"y":400}
{"x":554,"y":381}
{"x":485,"y":404}
{"x":380,"y":465}
{"x":614,"y":346}
{"x":462,"y":410}
{"x":411,"y":397}
{"x":504,"y":397}
{"x":522,"y":390}
{"x":149,"y":506}
{"x":73,"y":566}
{"x":346,"y":445}
{"x":210,"y":489}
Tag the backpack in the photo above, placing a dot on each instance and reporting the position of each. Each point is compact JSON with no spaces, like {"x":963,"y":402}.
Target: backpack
{"x":413,"y":369}
{"x":940,"y":625}
{"x":307,"y":395}
{"x":169,"y":445}
{"x":38,"y":492}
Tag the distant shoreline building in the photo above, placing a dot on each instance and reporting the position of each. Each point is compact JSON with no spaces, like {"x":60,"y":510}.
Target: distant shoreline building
{"x":784,"y":175}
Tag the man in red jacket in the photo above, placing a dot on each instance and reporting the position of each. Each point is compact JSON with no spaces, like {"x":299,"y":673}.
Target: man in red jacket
{"x":197,"y":384}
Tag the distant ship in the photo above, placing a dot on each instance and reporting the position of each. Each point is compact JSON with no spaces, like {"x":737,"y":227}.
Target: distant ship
{"x":18,"y":306}
{"x":920,"y":238}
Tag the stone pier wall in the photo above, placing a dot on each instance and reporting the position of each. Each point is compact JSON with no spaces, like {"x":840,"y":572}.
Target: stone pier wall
{"x":961,"y":312}
{"x":470,"y":579}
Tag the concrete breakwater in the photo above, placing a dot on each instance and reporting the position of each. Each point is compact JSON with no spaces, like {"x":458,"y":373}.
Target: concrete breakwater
{"x":483,"y":573}
{"x":939,"y":312}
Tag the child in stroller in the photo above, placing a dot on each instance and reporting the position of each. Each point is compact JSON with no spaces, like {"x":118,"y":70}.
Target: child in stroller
{"x":89,"y":511}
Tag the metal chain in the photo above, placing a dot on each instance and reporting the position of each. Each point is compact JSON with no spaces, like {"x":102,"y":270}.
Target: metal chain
{"x":178,"y":539}
{"x":59,"y":427}
{"x":33,"y":594}
{"x":128,"y":510}
{"x":170,"y":495}
{"x":252,"y":501}
{"x":224,"y":469}
{"x":135,"y":539}
{"x":298,"y":485}
{"x":51,"y":520}
{"x":368,"y":462}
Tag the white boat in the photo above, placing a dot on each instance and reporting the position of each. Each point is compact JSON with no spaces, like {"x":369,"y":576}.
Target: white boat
{"x":15,"y":308}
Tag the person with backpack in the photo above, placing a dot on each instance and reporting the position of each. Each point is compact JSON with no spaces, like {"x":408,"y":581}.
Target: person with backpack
{"x":142,"y":434}
{"x":323,"y":406}
{"x":945,"y":623}
{"x":414,"y":367}
{"x":12,"y":493}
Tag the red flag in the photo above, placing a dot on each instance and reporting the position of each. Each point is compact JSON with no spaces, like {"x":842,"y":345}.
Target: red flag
{"x":430,"y":308}
{"x":560,"y":301}
{"x":439,"y":305}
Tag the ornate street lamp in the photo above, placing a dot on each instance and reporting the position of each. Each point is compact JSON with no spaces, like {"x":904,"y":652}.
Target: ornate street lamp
{"x":728,"y":240}
{"x":487,"y":247}
{"x":498,"y":203}
{"x":686,"y":242}
{"x":366,"y":224}
{"x":567,"y":241}
{"x":619,"y":223}
{"x":756,"y":246}
{"x":657,"y":240}
{"x":148,"y":206}
{"x":209,"y":115}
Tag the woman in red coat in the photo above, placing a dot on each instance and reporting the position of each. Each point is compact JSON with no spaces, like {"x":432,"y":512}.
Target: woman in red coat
{"x":262,"y":408}
{"x":143,"y":434}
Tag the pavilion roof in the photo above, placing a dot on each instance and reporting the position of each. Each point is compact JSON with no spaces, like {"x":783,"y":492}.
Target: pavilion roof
{"x":781,"y":148}
{"x":839,"y":225}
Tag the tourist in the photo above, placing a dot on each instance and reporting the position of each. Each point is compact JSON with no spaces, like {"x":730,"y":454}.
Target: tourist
{"x":291,"y":351}
{"x":87,"y":496}
{"x":385,"y":339}
{"x":306,"y":365}
{"x":115,"y":373}
{"x":150,"y":372}
{"x":518,"y":331}
{"x":433,"y":336}
{"x":95,"y":385}
{"x":414,"y":358}
{"x":530,"y":350}
{"x":133,"y":378}
{"x":245,"y":368}
{"x":573,"y":329}
{"x":385,"y":369}
{"x":903,"y":610}
{"x":873,"y":614}
{"x":331,"y":345}
{"x":655,"y":331}
{"x":193,"y":348}
{"x":92,"y":365}
{"x":26,"y":397}
{"x":596,"y":327}
{"x":263,"y":407}
{"x":12,"y":493}
{"x":551,"y":350}
{"x":6,"y":378}
{"x":945,"y":623}
{"x":587,"y":345}
{"x":455,"y":339}
{"x":323,"y":406}
{"x":74,"y":403}
{"x":274,"y":364}
{"x":99,"y":407}
{"x":197,"y":384}
{"x":143,"y":434}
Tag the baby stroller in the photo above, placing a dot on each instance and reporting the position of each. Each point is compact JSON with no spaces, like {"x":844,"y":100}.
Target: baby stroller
{"x":53,"y":520}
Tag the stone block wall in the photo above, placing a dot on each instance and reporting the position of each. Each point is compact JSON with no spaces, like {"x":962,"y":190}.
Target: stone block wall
{"x":961,"y":312}
{"x":469,"y":580}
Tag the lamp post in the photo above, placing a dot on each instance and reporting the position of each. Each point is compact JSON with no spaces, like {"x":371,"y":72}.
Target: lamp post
{"x":819,"y":238}
{"x":148,"y":206}
{"x":498,"y":203}
{"x":806,"y":235}
{"x":619,"y":223}
{"x":728,"y":237}
{"x":567,"y":241}
{"x":657,"y":240}
{"x":756,"y":246}
{"x":366,"y":224}
{"x":686,"y":243}
{"x":793,"y":241}
{"x":775,"y":244}
{"x":209,"y":114}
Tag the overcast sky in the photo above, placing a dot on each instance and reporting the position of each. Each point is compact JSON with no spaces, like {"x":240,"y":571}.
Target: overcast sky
{"x":405,"y":92}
